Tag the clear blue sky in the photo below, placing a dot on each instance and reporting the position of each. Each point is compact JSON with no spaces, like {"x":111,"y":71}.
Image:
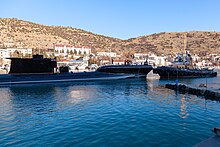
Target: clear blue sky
{"x":119,"y":18}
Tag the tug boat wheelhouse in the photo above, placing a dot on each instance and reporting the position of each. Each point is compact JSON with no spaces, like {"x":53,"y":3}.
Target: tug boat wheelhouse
{"x":43,"y":70}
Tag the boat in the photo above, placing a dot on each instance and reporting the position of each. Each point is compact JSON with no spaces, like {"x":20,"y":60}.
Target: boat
{"x":182,"y":67}
{"x":44,"y":70}
{"x":137,"y":70}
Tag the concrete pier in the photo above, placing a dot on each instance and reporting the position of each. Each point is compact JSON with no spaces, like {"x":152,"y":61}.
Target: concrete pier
{"x":213,"y":141}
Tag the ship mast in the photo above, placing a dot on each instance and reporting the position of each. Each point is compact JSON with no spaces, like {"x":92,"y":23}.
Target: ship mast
{"x":186,"y":50}
{"x":185,"y":42}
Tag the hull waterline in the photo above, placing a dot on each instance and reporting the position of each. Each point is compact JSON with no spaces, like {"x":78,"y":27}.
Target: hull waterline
{"x":170,"y":72}
{"x":62,"y":77}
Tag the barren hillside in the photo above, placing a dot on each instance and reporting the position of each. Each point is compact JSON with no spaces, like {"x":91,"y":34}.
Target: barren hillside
{"x":19,"y":33}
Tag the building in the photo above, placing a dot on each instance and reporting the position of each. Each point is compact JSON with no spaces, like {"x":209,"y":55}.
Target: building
{"x":118,"y":62}
{"x":9,"y":43}
{"x":104,"y":62}
{"x":106,"y":54}
{"x":22,"y":51}
{"x":204,"y":63}
{"x":140,"y":56}
{"x":4,"y":53}
{"x":156,"y":60}
{"x":66,"y":49}
{"x":78,"y":64}
{"x":14,"y":52}
{"x":140,"y":61}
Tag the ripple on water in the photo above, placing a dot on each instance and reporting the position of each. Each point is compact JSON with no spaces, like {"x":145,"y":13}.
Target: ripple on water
{"x":116,"y":113}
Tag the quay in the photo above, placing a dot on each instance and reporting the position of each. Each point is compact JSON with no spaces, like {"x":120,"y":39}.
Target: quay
{"x":213,"y":141}
{"x":207,"y":93}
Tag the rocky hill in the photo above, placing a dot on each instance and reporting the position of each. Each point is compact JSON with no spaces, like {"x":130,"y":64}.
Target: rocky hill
{"x":198,"y":42}
{"x":20,"y":33}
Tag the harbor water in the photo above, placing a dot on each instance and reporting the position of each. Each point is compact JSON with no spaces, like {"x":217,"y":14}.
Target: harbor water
{"x":131,"y":112}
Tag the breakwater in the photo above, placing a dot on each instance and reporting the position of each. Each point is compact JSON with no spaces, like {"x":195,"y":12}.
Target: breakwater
{"x":207,"y":93}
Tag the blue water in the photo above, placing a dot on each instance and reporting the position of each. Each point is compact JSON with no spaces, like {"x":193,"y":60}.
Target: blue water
{"x":132,"y":112}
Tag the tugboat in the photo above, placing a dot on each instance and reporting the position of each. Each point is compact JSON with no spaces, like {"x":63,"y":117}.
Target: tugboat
{"x":137,"y":70}
{"x":44,"y":70}
{"x":182,"y":68}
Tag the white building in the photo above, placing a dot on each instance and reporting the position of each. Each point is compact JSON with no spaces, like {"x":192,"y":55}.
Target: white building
{"x":104,"y":62}
{"x":204,"y":63}
{"x":140,"y":61}
{"x":106,"y":54}
{"x":9,"y":43}
{"x":156,"y":60}
{"x":9,"y":52}
{"x":140,"y":55}
{"x":65,"y":49}
{"x":79,"y":64}
{"x":4,"y":53}
{"x":24,"y":51}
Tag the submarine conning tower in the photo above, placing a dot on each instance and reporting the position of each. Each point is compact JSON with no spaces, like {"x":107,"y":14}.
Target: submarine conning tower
{"x":37,"y":64}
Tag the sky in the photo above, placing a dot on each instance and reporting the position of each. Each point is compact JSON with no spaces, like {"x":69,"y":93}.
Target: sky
{"x":119,"y":18}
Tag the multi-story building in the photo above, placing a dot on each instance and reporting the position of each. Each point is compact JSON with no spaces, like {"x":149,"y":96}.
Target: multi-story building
{"x":66,"y":49}
{"x":156,"y":60}
{"x":23,"y":51}
{"x":12,"y":52}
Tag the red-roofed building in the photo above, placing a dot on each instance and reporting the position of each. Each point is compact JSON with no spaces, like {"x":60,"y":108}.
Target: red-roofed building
{"x":118,"y":61}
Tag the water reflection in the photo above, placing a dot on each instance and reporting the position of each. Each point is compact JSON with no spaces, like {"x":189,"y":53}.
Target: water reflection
{"x":28,"y":100}
{"x":183,"y":108}
{"x":78,"y":94}
{"x":5,"y":105}
{"x":103,"y":113}
{"x":47,"y":98}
